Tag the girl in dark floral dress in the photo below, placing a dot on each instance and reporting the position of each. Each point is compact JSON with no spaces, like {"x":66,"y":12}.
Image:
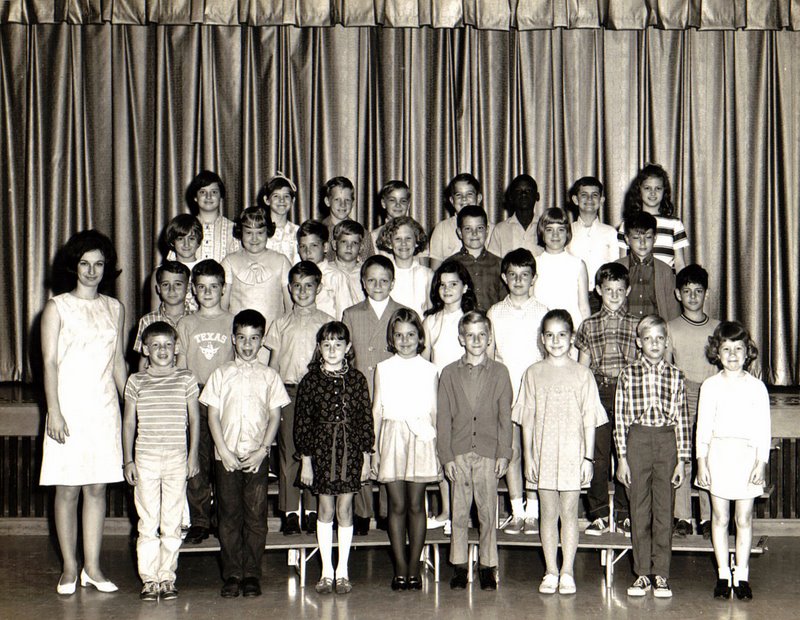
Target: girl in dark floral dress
{"x":333,"y":435}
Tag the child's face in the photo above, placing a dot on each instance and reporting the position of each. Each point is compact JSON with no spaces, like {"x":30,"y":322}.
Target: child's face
{"x":614,"y":293}
{"x":160,"y":350}
{"x":589,"y":200}
{"x":377,"y":282}
{"x":247,"y":342}
{"x":732,"y":355}
{"x":405,"y":339}
{"x":555,"y":236}
{"x":519,"y":281}
{"x":404,"y":242}
{"x":451,"y":289}
{"x":473,"y":233}
{"x":641,"y":242}
{"x":208,"y":291}
{"x":280,"y":201}
{"x":208,"y":198}
{"x":464,"y":194}
{"x":333,"y":353}
{"x":653,"y":343}
{"x":475,"y":338}
{"x":692,"y":297}
{"x":312,"y":248}
{"x":340,"y":202}
{"x":347,"y":248}
{"x":556,"y":338}
{"x":303,"y":290}
{"x":91,"y":268}
{"x":396,"y":203}
{"x":254,"y":238}
{"x":172,"y":288}
{"x":652,"y":191}
{"x":186,"y":246}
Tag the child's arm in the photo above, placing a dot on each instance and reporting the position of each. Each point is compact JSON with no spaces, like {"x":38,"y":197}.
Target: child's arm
{"x":228,"y":458}
{"x":680,"y":259}
{"x":503,"y":451}
{"x":587,"y":466}
{"x":762,"y":435}
{"x":287,"y":297}
{"x":155,"y":300}
{"x":622,"y":402}
{"x":585,"y":358}
{"x":193,"y":412}
{"x":583,"y":292}
{"x":225,"y":301}
{"x":56,"y":425}
{"x":444,"y":427}
{"x":128,"y":437}
{"x":181,"y":346}
{"x":253,"y":461}
{"x":426,"y":327}
{"x":120,"y":368}
{"x":377,"y":419}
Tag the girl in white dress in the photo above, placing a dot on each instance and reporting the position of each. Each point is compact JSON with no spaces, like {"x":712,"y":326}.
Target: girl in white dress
{"x":404,"y":410}
{"x":732,"y":445}
{"x":405,"y":238}
{"x":84,"y":376}
{"x":278,"y":195}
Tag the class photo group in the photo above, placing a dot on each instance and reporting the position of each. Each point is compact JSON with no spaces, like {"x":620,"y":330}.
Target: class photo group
{"x":549,"y":351}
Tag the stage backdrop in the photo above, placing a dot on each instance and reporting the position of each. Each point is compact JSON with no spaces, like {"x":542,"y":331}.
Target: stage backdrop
{"x":109,"y":108}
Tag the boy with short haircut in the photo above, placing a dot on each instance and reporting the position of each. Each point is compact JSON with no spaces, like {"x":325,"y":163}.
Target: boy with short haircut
{"x":367,"y":322}
{"x":184,"y":236}
{"x":160,"y":402}
{"x":292,"y":341}
{"x":347,"y":239}
{"x":172,"y":287}
{"x":689,"y":334}
{"x":473,"y":440}
{"x":340,"y":199}
{"x":592,"y":241}
{"x":483,"y":266}
{"x":652,"y":281}
{"x":312,"y":245}
{"x":520,"y":230}
{"x":204,"y":344}
{"x":244,"y":399}
{"x":464,"y":189}
{"x":653,"y":440}
{"x":515,"y":335}
{"x":606,"y":342}
{"x":396,"y":202}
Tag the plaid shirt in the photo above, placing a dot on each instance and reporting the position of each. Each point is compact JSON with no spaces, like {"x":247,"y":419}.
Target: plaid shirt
{"x":149,"y":319}
{"x":594,"y":335}
{"x":652,"y":395}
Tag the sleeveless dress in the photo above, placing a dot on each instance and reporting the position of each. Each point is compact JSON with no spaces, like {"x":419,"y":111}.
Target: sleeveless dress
{"x":87,"y":395}
{"x":444,"y":344}
{"x":407,"y":444}
{"x":556,"y":284}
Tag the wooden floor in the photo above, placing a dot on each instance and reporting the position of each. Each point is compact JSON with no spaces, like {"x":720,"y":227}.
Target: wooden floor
{"x":29,"y":570}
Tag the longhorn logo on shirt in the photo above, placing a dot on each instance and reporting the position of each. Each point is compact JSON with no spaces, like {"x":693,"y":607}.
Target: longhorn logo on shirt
{"x":208,"y":351}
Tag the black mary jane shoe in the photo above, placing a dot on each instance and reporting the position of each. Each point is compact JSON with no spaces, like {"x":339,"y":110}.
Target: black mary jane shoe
{"x":414,"y":583}
{"x":743,"y":591}
{"x":722,"y":589}
{"x":399,"y":583}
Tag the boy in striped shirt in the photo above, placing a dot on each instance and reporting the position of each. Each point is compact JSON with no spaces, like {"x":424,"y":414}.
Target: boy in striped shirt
{"x":159,"y":403}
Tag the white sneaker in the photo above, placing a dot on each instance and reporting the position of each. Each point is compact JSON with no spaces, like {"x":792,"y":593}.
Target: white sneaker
{"x":434,"y":523}
{"x":662,"y":589}
{"x":640,"y":587}
{"x":515,"y":526}
{"x":549,"y":584}
{"x":566,"y":584}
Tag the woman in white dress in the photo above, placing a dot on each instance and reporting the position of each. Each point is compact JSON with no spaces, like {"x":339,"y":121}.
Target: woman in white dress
{"x":84,"y":375}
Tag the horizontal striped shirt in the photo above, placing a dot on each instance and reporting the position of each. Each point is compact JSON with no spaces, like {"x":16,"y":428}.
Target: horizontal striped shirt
{"x":161,"y":411}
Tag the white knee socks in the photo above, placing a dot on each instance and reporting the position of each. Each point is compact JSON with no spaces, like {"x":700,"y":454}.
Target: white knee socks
{"x":724,"y":572}
{"x":325,"y":540}
{"x":345,"y":535}
{"x":740,"y":573}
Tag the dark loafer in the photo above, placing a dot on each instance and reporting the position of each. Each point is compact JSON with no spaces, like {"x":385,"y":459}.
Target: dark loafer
{"x":460,"y":579}
{"x":743,"y":591}
{"x":722,"y":589}
{"x":414,"y":583}
{"x":399,"y":583}
{"x":231,"y":588}
{"x":487,"y":578}
{"x":251,"y":587}
{"x":196,"y":534}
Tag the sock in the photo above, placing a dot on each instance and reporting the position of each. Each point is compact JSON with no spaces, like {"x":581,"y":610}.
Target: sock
{"x":310,"y":512}
{"x":293,"y":512}
{"x":740,"y":573}
{"x":724,"y":572}
{"x":325,"y":540}
{"x":517,"y":508}
{"x":532,"y":508}
{"x":345,"y":535}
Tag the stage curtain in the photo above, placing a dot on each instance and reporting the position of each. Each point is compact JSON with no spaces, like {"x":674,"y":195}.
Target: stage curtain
{"x":104,"y":125}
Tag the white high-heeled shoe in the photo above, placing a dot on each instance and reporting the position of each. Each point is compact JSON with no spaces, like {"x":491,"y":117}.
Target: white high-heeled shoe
{"x":67,"y":588}
{"x":101,"y":586}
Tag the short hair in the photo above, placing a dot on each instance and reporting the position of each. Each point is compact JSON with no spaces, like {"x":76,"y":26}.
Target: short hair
{"x":250,"y":318}
{"x":586,"y":182}
{"x":468,"y":300}
{"x":519,"y":180}
{"x":649,"y":322}
{"x":172,"y":266}
{"x":208,"y":267}
{"x":471,"y":318}
{"x":305,"y":268}
{"x":554,"y":215}
{"x":87,"y":241}
{"x":335,"y":182}
{"x":348,"y":227}
{"x":182,"y":225}
{"x":315,"y":228}
{"x":159,"y":328}
{"x":391,"y":186}
{"x":558,"y":314}
{"x":521,"y":257}
{"x":612,"y":272}
{"x":462,"y":177}
{"x":254,"y":217}
{"x":333,"y":330}
{"x":471,"y":211}
{"x":404,"y":315}
{"x":377,"y":260}
{"x":641,"y":222}
{"x":277,"y":182}
{"x":692,"y":274}
{"x":385,"y":238}
{"x":730,"y":330}
{"x":203,"y":179}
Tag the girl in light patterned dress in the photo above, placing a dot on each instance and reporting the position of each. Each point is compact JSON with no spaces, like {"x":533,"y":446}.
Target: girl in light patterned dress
{"x":279,"y":195}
